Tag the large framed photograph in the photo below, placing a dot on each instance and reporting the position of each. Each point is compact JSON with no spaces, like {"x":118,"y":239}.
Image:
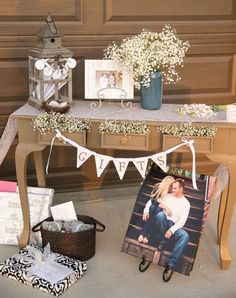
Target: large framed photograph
{"x":104,"y":79}
{"x":168,"y":219}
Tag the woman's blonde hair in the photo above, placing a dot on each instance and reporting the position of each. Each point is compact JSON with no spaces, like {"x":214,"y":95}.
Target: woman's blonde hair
{"x":162,"y":188}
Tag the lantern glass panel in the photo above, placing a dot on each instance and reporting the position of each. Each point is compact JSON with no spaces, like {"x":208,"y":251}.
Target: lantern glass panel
{"x":52,"y":81}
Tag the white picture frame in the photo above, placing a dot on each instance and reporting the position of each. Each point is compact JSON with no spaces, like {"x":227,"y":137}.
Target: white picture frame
{"x":105,"y":79}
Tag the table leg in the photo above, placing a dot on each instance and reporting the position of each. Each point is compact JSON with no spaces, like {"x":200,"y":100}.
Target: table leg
{"x":221,"y":212}
{"x":39,"y":166}
{"x":228,"y":214}
{"x":226,"y":207}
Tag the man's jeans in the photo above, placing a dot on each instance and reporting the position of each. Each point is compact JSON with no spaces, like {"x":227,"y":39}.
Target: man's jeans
{"x":180,"y":238}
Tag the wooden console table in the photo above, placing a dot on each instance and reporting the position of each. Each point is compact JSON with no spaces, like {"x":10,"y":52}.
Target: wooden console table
{"x":222,"y":149}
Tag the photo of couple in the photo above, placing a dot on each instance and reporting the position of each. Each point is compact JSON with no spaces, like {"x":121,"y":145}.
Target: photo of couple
{"x":167,"y":220}
{"x":108,"y":79}
{"x":164,"y":216}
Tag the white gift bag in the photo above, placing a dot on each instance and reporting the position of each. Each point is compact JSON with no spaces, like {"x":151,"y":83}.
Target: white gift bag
{"x":11,"y":222}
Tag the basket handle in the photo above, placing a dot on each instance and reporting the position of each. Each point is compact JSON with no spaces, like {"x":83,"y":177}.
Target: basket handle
{"x":36,"y":228}
{"x":94,"y":221}
{"x":102,"y":229}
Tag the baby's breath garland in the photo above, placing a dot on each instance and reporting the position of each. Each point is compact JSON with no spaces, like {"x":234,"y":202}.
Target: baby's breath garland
{"x":123,"y":127}
{"x":187,"y":130}
{"x":48,"y":122}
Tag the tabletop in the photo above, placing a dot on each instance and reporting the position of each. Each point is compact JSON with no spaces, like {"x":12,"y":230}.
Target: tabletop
{"x":114,"y":111}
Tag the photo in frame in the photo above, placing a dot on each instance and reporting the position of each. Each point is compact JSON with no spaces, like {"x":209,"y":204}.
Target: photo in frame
{"x":105,"y":79}
{"x":146,"y":236}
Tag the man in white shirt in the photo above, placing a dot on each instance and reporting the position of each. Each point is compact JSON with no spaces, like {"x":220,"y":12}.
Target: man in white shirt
{"x":169,"y":222}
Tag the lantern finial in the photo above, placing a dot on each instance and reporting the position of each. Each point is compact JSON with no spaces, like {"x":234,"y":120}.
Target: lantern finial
{"x":51,"y":24}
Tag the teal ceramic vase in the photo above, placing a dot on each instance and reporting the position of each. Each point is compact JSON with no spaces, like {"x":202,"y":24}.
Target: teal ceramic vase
{"x":151,"y":97}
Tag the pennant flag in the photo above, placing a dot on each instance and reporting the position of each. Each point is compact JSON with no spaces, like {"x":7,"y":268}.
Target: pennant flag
{"x":121,"y":166}
{"x":160,"y":160}
{"x":101,"y":162}
{"x":141,"y":165}
{"x":82,"y":155}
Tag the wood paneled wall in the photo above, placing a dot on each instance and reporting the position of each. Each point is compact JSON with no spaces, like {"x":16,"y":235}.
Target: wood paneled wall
{"x":88,"y":27}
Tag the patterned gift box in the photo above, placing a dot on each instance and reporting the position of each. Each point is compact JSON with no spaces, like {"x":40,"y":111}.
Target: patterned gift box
{"x":11,"y":222}
{"x":17,"y":268}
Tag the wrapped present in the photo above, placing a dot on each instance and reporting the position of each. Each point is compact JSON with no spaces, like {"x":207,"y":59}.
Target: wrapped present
{"x":40,"y":268}
{"x":11,"y":222}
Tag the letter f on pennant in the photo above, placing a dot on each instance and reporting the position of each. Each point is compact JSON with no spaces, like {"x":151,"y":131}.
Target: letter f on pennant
{"x":121,"y":166}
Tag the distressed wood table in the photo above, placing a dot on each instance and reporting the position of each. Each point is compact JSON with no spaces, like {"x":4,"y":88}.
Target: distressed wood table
{"x":220,"y":149}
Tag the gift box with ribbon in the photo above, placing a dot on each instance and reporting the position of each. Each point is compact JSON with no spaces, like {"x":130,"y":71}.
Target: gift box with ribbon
{"x":40,"y":268}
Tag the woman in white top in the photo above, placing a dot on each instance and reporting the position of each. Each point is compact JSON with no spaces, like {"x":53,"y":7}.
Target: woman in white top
{"x":160,"y":190}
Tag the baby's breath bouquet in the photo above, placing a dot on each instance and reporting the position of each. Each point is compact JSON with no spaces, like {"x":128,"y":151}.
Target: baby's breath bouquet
{"x":149,"y":52}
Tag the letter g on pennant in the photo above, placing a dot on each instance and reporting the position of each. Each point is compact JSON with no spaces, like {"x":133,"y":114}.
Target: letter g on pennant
{"x":82,"y":155}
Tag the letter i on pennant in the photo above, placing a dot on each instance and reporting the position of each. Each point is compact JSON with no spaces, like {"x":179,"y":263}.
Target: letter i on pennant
{"x":101,"y":162}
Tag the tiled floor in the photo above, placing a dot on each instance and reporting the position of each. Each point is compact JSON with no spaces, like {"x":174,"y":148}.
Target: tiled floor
{"x":115,"y":274}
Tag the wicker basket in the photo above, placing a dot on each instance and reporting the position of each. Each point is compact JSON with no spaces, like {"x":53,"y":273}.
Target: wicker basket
{"x":79,"y":245}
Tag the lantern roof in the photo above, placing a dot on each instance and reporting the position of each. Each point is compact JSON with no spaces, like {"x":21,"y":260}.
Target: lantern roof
{"x":49,"y":42}
{"x":49,"y":30}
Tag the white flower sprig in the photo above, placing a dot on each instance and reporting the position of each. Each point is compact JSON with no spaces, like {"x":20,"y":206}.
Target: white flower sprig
{"x":187,"y":130}
{"x":149,"y":52}
{"x":196,"y":110}
{"x":48,"y":122}
{"x":127,"y":128}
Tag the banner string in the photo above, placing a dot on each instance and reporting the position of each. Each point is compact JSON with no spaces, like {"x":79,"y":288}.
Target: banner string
{"x":188,"y":143}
